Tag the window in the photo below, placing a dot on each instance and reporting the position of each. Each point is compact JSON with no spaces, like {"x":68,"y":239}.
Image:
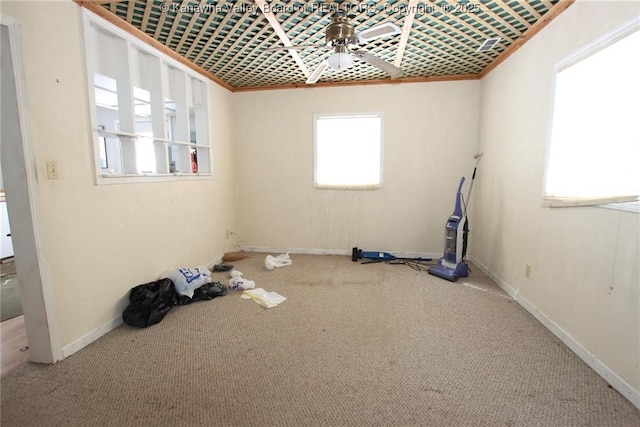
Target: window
{"x":149,"y":113}
{"x":348,"y":150}
{"x":594,"y":153}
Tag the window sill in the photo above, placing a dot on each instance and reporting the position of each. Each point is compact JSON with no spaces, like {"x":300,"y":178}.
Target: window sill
{"x":625,"y":207}
{"x":107,"y":179}
{"x":628,"y":206}
{"x":348,"y":187}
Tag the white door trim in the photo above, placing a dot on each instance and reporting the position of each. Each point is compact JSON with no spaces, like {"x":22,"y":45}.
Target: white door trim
{"x":21,"y":187}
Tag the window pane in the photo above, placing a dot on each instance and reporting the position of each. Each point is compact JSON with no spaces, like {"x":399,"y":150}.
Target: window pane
{"x":348,"y":150}
{"x":174,"y":159}
{"x":106,"y":97}
{"x":145,"y":155}
{"x":151,"y":112}
{"x":145,"y":152}
{"x":595,"y":144}
{"x":170,"y":117}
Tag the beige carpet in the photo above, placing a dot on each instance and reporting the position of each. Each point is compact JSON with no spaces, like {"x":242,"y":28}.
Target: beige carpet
{"x":353,"y":345}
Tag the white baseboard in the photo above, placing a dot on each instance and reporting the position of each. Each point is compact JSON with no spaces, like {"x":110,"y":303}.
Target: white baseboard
{"x":90,"y":337}
{"x":101,"y":330}
{"x":626,"y":389}
{"x":303,"y":251}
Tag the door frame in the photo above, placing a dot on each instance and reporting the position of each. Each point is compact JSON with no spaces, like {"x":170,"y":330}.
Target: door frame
{"x":25,"y":215}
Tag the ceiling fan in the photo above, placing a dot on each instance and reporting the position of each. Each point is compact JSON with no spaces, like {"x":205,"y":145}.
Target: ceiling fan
{"x":341,"y":37}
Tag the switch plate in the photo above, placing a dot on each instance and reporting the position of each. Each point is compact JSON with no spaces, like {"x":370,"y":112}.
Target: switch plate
{"x":527,"y":271}
{"x":52,"y":170}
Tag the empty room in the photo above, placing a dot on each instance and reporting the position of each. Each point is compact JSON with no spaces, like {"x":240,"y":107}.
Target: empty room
{"x":335,"y":213}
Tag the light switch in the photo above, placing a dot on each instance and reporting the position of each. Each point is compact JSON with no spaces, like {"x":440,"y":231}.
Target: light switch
{"x":52,"y":170}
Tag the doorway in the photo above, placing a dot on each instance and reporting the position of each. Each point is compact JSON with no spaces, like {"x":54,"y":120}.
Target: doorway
{"x":23,"y":209}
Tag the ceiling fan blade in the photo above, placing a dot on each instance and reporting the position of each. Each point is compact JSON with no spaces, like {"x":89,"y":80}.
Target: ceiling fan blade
{"x":298,"y":47}
{"x":381,"y":64}
{"x":317,"y":72}
{"x":386,"y":29}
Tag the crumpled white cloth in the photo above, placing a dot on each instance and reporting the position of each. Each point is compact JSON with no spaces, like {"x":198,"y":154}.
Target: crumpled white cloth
{"x":262,"y":297}
{"x":238,"y":283}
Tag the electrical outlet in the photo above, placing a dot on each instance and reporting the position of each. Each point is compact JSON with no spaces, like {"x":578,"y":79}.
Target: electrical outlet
{"x":52,"y":170}
{"x":527,"y":271}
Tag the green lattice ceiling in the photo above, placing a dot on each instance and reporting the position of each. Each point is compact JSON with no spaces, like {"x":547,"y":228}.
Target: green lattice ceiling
{"x":229,"y":38}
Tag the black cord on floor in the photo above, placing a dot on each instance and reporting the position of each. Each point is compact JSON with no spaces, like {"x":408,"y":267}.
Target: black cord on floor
{"x":415,"y":264}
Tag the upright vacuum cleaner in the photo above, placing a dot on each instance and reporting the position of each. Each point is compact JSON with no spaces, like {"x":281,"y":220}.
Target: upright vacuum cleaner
{"x":453,"y":264}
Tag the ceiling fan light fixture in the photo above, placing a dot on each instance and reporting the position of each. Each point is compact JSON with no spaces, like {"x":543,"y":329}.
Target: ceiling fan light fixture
{"x":340,"y":61}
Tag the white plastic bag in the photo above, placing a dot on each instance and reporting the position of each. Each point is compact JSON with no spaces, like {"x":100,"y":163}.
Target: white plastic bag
{"x":272,"y":262}
{"x":187,"y":280}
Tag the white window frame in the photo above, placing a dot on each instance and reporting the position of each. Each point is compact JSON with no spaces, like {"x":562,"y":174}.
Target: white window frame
{"x":204,"y":147}
{"x":316,"y":117}
{"x":626,"y":203}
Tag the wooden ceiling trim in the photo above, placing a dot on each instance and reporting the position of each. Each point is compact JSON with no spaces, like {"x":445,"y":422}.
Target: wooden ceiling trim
{"x":282,"y":35}
{"x":406,"y":30}
{"x":144,"y":37}
{"x":556,"y":10}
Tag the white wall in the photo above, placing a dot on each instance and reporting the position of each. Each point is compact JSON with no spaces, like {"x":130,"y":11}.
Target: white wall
{"x":430,"y":138}
{"x":98,"y":238}
{"x":585,"y":275}
{"x":103,"y":240}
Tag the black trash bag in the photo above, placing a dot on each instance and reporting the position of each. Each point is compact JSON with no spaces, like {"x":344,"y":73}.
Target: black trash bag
{"x":205,"y":292}
{"x":149,"y":303}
